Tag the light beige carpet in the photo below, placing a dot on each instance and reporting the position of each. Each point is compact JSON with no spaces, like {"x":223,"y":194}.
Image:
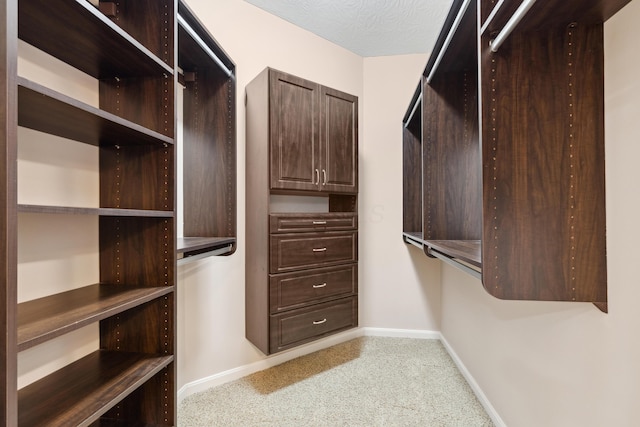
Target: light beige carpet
{"x":368,"y":381}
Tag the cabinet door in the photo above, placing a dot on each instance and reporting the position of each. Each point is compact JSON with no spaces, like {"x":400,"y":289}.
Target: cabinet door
{"x":294,"y":139}
{"x":338,"y":141}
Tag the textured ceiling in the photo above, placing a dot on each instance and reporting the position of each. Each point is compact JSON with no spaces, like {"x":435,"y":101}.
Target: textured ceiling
{"x":366,"y":27}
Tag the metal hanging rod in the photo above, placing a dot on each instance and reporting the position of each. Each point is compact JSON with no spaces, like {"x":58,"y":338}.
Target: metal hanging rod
{"x":492,"y":15}
{"x":447,"y":41}
{"x":451,"y":261}
{"x":204,"y":46}
{"x":413,"y":110}
{"x":511,"y":24}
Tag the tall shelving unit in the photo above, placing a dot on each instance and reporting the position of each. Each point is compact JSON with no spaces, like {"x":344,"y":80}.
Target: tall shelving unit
{"x":129,"y":47}
{"x":208,"y":81}
{"x":512,"y":148}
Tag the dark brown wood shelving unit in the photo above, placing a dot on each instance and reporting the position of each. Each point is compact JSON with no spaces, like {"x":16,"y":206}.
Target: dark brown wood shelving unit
{"x":130,"y":378}
{"x":512,"y":180}
{"x":209,"y":142}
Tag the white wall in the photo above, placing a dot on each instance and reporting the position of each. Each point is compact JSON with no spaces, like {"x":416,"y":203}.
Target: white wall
{"x":211,"y":292}
{"x":568,"y":364}
{"x":400,"y":286}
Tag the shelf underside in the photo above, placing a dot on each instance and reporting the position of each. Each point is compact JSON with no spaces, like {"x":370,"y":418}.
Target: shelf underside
{"x":69,"y":210}
{"x":81,"y":392}
{"x":45,"y":110}
{"x":46,"y":318}
{"x":467,"y":252}
{"x":90,"y":44}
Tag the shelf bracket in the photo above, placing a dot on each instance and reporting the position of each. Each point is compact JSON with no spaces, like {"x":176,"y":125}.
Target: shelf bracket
{"x":108,"y":8}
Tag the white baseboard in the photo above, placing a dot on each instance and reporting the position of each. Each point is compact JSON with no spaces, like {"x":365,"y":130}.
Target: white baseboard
{"x":484,"y":401}
{"x":270,"y":361}
{"x":402,"y":333}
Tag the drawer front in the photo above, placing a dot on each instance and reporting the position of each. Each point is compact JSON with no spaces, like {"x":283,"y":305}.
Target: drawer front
{"x":290,"y":223}
{"x":298,"y":326}
{"x":294,"y":290}
{"x":290,"y":252}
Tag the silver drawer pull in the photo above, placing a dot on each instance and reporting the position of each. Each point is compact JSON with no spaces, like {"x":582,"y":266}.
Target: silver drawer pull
{"x":319,"y":249}
{"x":319,"y":222}
{"x":322,"y":285}
{"x":320,"y":322}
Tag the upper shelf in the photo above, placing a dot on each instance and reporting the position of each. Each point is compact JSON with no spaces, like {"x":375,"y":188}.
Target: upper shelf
{"x":455,"y":48}
{"x":45,"y":110}
{"x":548,"y":13}
{"x":92,"y":43}
{"x":196,"y":47}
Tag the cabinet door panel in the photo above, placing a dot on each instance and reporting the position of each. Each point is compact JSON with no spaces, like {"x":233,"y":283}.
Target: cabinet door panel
{"x":339,"y":141}
{"x":294,"y":133}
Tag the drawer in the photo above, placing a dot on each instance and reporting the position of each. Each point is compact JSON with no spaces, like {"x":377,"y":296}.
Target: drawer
{"x":333,"y":221}
{"x":288,"y":252}
{"x":298,"y":326}
{"x":294,"y":290}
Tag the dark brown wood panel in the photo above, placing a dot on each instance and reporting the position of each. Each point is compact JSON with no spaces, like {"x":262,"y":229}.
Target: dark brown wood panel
{"x":311,"y":250}
{"x":543,"y":168}
{"x":295,"y":152}
{"x":559,"y":13}
{"x":294,"y":290}
{"x":338,"y":141}
{"x":257,"y":212}
{"x":144,"y":407}
{"x":451,"y":159}
{"x":137,"y":251}
{"x":48,"y":317}
{"x":209,"y":190}
{"x":8,"y":217}
{"x":308,"y":222}
{"x":89,"y":43}
{"x":82,"y":391}
{"x":137,"y":177}
{"x":343,"y":203}
{"x":412,"y":166}
{"x":148,"y":328}
{"x":296,"y":327}
{"x":132,"y":99}
{"x":150,"y":22}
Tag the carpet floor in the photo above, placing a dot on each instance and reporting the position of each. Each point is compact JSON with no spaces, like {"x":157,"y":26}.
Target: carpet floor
{"x":369,"y":381}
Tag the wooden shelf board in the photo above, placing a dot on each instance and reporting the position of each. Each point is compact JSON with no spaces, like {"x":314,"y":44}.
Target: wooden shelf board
{"x":460,"y":52}
{"x":49,"y":317}
{"x":468,"y":251}
{"x":69,"y":210}
{"x":46,"y":110}
{"x":90,"y":43}
{"x":554,"y":14}
{"x":81,"y":392}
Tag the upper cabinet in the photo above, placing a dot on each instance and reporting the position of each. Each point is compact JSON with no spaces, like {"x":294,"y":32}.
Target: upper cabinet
{"x":511,"y":181}
{"x":313,"y":136}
